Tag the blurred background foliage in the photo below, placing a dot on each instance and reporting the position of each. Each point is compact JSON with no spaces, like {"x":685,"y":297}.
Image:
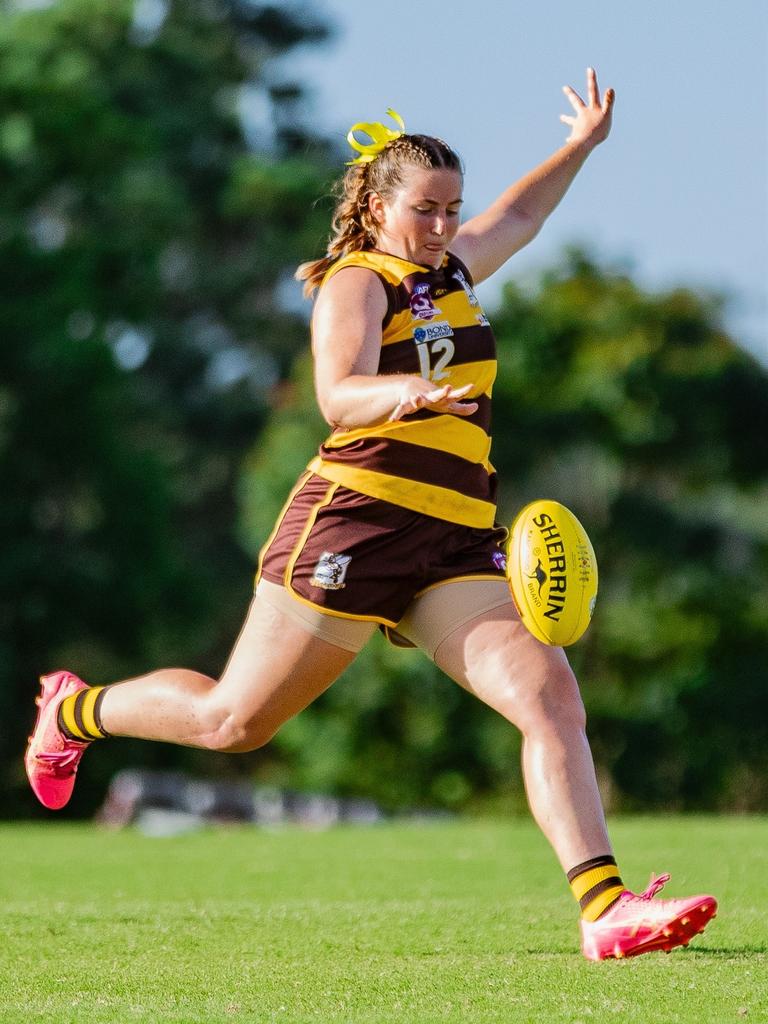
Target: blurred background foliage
{"x":158,"y":187}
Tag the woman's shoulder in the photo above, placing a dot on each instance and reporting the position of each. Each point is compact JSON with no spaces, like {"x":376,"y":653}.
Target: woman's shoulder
{"x":391,"y":268}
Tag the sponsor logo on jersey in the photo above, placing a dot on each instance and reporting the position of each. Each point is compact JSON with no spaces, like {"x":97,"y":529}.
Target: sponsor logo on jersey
{"x":440,"y":329}
{"x":422,"y":306}
{"x":330,"y":571}
{"x":482,"y":319}
{"x":499,"y":560}
{"x":459,"y":276}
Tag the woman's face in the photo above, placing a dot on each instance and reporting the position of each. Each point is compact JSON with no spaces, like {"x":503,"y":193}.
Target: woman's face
{"x":420,"y":220}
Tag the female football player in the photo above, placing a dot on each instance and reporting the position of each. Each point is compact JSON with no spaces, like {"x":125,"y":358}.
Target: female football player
{"x":393,"y":523}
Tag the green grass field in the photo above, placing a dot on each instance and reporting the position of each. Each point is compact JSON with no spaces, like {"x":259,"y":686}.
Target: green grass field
{"x":414,"y":923}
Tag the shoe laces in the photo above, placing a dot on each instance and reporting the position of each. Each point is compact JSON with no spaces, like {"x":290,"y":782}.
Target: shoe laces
{"x":648,"y":918}
{"x":62,"y":762}
{"x":656,"y":883}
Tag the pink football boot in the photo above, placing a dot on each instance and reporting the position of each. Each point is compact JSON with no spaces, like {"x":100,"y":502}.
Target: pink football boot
{"x":52,"y":758}
{"x":637,"y":924}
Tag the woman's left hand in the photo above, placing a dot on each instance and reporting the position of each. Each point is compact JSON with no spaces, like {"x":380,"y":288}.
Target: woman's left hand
{"x":418,"y":393}
{"x":592,"y":120}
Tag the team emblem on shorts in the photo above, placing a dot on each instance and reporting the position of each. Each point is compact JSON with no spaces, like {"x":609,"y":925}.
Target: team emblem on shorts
{"x":499,"y":560}
{"x":330,"y":571}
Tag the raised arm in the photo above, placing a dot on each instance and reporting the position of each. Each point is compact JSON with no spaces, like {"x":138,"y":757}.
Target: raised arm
{"x":487,"y":241}
{"x":346,"y":343}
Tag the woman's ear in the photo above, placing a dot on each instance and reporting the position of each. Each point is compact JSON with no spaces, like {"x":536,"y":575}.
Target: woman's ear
{"x":376,"y":207}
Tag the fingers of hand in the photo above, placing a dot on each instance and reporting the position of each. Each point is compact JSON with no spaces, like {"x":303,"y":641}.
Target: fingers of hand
{"x":463,"y":408}
{"x":593,"y":95}
{"x":406,"y":405}
{"x":447,"y":394}
{"x":441,"y":399}
{"x":574,"y":99}
{"x":459,"y":392}
{"x":411,"y":405}
{"x":592,"y":89}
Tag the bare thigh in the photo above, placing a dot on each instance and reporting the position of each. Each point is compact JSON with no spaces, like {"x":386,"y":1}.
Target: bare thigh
{"x":497,"y":659}
{"x":275,"y":670}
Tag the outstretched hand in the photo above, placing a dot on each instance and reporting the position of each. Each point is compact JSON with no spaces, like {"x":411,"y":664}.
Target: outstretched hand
{"x":592,"y":120}
{"x":420,"y":394}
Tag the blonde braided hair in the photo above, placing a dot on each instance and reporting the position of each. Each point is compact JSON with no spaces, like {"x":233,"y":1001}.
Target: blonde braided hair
{"x":353,"y":228}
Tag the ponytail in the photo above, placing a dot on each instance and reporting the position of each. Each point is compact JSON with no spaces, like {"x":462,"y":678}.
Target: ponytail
{"x":352,"y":227}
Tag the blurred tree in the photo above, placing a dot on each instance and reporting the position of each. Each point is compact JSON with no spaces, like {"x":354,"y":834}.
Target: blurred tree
{"x":155,"y":189}
{"x":637,"y":411}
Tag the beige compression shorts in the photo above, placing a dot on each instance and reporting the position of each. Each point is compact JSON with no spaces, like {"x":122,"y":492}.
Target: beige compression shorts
{"x":431,"y":617}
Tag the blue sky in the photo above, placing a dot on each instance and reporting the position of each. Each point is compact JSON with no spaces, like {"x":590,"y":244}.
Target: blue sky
{"x":679,"y":192}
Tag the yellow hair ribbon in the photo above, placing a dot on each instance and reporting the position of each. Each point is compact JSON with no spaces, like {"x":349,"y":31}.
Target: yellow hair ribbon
{"x":379,"y":134}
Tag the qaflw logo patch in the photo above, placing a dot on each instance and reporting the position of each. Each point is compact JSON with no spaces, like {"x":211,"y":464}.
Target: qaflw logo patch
{"x":422,"y":306}
{"x":330,"y":571}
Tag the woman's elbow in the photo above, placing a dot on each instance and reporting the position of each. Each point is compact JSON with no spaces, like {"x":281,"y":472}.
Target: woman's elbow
{"x":329,"y":409}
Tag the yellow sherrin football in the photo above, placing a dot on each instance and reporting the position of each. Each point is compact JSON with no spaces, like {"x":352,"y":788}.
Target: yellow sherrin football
{"x":552,"y":572}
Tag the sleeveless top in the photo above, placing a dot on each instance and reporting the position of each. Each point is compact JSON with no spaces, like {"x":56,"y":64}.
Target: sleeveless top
{"x":429,"y":462}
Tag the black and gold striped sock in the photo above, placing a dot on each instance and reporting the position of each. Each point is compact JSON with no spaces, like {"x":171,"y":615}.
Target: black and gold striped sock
{"x":79,"y":716}
{"x":596,"y":884}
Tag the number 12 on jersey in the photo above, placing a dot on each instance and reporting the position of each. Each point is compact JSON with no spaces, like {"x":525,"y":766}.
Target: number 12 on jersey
{"x":442,"y":350}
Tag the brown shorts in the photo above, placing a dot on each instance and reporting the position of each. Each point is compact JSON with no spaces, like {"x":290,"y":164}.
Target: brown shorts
{"x":358,"y":557}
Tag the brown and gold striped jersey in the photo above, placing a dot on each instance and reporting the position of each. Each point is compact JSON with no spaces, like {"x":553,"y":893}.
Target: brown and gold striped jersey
{"x":429,"y":462}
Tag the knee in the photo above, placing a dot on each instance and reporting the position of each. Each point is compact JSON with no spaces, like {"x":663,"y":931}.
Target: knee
{"x":228,"y":732}
{"x":551,"y":704}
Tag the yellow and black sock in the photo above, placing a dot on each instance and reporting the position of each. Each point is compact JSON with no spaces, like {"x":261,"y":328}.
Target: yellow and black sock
{"x":596,"y":884}
{"x":79,"y":716}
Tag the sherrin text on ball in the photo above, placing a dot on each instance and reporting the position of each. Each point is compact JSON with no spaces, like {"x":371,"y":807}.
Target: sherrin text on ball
{"x":552,"y":572}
